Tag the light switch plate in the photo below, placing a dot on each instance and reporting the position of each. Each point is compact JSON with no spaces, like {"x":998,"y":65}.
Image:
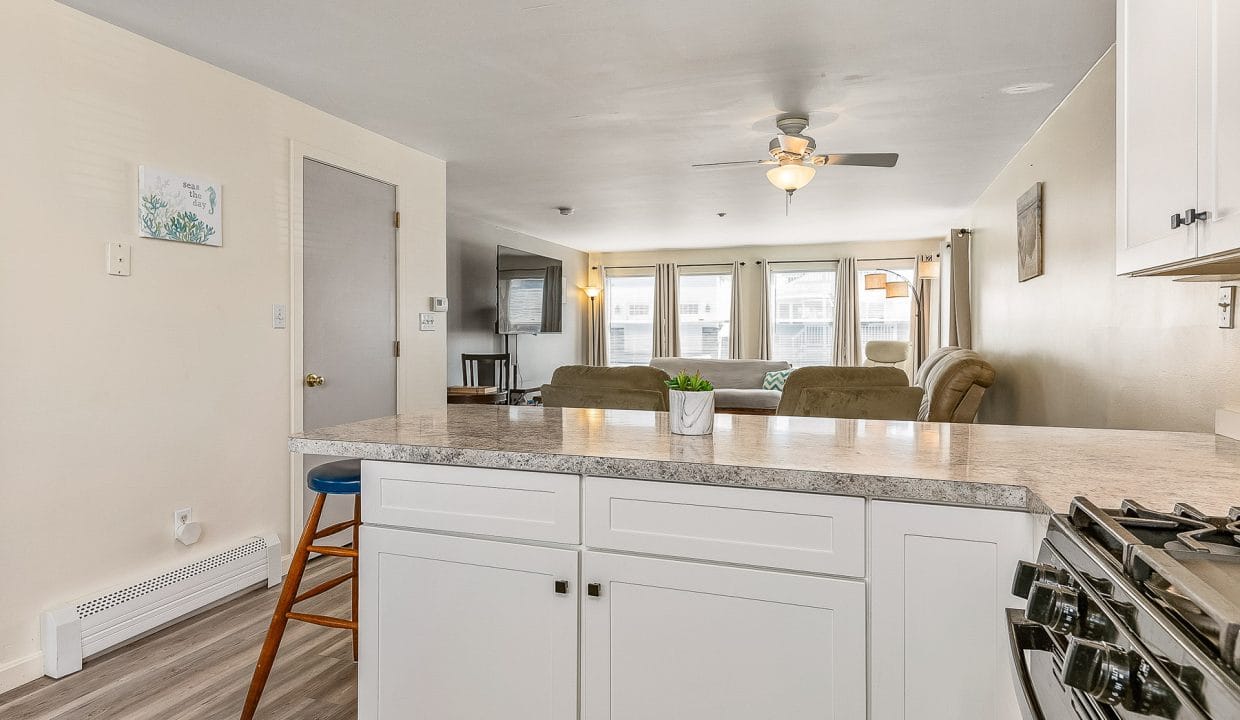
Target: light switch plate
{"x":1227,"y":307}
{"x":428,"y":322}
{"x":118,"y":259}
{"x":279,"y":317}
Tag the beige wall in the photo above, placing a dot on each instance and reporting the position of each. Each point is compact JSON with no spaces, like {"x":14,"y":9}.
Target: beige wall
{"x":1079,"y":346}
{"x":471,"y":301}
{"x":122,"y":399}
{"x":751,"y":273}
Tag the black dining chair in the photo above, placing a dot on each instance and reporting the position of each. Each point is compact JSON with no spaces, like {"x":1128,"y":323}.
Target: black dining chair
{"x":488,"y":369}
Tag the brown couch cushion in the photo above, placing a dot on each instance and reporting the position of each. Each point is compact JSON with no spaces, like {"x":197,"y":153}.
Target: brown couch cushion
{"x":836,"y":377}
{"x":615,"y":388}
{"x":954,"y":380}
{"x":862,"y":403}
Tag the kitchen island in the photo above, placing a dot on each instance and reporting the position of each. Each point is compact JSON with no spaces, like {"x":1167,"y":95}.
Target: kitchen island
{"x":519,"y":563}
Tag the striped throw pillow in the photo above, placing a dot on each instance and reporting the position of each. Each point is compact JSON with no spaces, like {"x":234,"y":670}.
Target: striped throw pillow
{"x":775,"y":380}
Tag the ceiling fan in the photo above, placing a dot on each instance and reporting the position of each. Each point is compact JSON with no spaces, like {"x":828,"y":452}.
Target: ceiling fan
{"x":794,"y":161}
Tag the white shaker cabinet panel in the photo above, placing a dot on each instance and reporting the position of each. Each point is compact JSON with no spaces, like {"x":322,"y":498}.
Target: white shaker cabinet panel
{"x":765,"y":528}
{"x":940,"y":582}
{"x":1219,"y":125}
{"x":519,"y":504}
{"x":462,"y":628}
{"x":684,"y":640}
{"x":1156,"y":132}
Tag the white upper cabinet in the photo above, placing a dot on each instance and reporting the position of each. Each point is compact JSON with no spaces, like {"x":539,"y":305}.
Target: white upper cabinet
{"x":1219,"y":125}
{"x":1177,"y":154}
{"x":1156,"y":133}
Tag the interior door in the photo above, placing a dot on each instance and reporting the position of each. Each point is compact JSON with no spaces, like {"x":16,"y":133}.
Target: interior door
{"x":684,"y":640}
{"x":348,"y":306}
{"x":462,"y":629}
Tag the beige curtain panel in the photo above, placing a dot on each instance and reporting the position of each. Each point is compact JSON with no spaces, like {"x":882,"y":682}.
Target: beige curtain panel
{"x":847,"y":346}
{"x":596,"y":352}
{"x":666,"y":311}
{"x":959,"y":312}
{"x":734,"y":338}
{"x":764,"y":320}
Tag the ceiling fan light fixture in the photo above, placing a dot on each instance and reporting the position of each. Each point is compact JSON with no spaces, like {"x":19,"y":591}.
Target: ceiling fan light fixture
{"x":790,"y":177}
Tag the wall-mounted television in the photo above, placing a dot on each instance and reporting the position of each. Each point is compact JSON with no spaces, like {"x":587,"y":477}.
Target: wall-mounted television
{"x":530,"y":290}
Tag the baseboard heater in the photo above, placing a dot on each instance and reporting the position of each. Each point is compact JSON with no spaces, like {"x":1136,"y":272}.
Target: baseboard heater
{"x":100,"y":622}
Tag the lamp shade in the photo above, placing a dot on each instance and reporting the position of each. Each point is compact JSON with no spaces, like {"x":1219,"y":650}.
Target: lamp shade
{"x":876,"y":281}
{"x":897,"y":289}
{"x":929,"y":268}
{"x":591,"y":291}
{"x":790,"y":177}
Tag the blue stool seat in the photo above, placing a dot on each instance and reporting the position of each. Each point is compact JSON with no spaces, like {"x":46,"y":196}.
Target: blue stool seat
{"x":342,"y":477}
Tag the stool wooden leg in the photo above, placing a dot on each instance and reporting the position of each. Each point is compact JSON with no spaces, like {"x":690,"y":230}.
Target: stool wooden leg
{"x":279,"y":619}
{"x":357,"y":519}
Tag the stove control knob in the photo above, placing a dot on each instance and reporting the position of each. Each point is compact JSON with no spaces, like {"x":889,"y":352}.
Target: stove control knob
{"x":1027,"y":573}
{"x":1101,"y":670}
{"x":1056,"y":606}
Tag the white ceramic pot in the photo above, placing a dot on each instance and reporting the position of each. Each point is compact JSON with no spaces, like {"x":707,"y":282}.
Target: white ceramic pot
{"x":692,"y":413}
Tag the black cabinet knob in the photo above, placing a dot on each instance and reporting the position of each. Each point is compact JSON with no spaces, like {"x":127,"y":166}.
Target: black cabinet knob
{"x":561,"y":587}
{"x":594,"y":589}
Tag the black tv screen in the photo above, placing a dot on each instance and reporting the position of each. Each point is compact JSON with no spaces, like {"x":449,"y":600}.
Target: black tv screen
{"x":530,"y":289}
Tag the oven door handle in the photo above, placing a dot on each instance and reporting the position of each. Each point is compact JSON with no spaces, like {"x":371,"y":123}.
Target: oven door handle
{"x":1025,"y":635}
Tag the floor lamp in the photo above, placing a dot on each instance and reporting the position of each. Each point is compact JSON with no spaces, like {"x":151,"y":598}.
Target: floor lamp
{"x":592,"y":292}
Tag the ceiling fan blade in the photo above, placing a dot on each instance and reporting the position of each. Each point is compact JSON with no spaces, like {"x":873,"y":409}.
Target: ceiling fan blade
{"x":738,"y":163}
{"x":863,"y":159}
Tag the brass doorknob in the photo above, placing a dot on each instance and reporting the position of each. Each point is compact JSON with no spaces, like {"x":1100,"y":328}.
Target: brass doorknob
{"x":313,"y":380}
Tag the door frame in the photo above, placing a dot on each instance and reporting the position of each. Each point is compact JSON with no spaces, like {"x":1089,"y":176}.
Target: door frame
{"x":299,"y":152}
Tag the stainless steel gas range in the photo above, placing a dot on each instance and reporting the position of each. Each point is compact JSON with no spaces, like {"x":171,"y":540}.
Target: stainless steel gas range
{"x":1131,"y":613}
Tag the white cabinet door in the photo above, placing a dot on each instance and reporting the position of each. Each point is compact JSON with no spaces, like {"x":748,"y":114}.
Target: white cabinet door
{"x":1219,"y":132}
{"x":461,"y":629}
{"x":676,"y":639}
{"x":1156,"y":132}
{"x":940,"y":581}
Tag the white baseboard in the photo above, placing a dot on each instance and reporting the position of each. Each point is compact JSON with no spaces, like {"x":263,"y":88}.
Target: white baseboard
{"x":18,"y":672}
{"x":1227,"y":423}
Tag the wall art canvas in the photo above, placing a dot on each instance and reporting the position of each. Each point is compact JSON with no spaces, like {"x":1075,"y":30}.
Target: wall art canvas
{"x":1029,"y":233}
{"x":178,"y":207}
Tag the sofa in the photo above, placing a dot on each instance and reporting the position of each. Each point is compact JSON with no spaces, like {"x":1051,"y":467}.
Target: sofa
{"x":738,"y":383}
{"x":948,"y":387}
{"x":611,"y":388}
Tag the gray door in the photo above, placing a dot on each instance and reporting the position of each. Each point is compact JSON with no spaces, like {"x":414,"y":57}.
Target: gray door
{"x":348,"y":306}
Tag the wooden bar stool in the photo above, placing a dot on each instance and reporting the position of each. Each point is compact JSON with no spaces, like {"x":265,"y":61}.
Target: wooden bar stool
{"x":343,"y":477}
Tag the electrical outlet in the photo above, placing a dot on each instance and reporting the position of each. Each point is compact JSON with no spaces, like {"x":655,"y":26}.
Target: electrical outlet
{"x":179,"y":518}
{"x":1227,"y":307}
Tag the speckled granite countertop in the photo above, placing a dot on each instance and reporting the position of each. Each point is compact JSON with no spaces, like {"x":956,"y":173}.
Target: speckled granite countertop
{"x":1028,"y":468}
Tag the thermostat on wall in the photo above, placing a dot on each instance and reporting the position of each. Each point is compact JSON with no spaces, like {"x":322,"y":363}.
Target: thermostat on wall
{"x":439,"y":304}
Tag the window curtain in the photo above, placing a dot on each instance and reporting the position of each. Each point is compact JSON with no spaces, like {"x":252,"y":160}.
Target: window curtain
{"x":553,"y":298}
{"x":959,"y":314}
{"x":764,"y":321}
{"x":734,"y":339}
{"x":666,"y":311}
{"x":596,"y":352}
{"x":847,"y":350}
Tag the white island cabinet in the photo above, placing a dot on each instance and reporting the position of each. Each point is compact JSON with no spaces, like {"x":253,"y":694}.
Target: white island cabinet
{"x":485,"y":595}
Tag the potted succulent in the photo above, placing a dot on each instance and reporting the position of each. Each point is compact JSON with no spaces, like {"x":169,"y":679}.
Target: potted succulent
{"x":691,"y":404}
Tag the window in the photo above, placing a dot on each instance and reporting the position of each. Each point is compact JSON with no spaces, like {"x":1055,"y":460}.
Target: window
{"x":630,"y":323}
{"x":884,"y":318}
{"x":803,"y":313}
{"x":705,"y":296}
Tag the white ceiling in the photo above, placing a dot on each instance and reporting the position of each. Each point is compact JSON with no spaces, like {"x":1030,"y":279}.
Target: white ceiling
{"x":602,"y":105}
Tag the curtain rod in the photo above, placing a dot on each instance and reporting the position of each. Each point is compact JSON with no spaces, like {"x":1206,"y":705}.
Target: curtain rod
{"x":914,"y":258}
{"x":643,"y":267}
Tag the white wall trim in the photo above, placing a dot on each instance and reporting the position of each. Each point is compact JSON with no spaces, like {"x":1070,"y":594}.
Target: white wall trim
{"x":18,"y":672}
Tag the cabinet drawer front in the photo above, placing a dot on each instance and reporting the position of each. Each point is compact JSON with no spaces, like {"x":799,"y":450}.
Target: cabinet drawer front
{"x":482,"y":501}
{"x":765,"y":528}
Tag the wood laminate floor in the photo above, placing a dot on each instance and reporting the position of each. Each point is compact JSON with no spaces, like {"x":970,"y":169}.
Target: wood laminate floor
{"x":201,"y":668}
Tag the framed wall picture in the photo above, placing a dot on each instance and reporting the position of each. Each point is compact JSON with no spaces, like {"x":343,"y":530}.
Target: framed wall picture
{"x":1029,"y":233}
{"x":179,"y":207}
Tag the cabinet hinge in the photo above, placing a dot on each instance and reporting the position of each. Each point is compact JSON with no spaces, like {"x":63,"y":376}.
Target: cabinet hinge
{"x":396,"y":219}
{"x":395,"y":348}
